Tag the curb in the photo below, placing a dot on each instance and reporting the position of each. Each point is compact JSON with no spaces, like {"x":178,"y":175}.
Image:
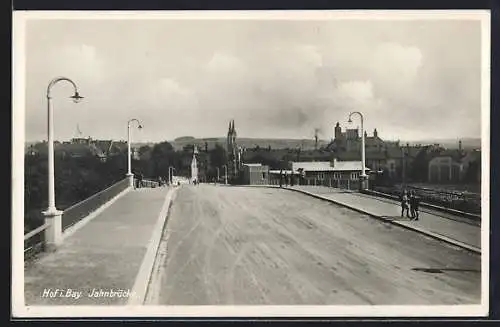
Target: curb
{"x":413,"y":228}
{"x":141,"y":283}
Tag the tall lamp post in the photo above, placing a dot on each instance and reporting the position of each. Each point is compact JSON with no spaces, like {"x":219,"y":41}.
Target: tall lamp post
{"x":171,"y":173}
{"x":217,"y":180}
{"x":129,"y":155}
{"x":363,"y":177}
{"x":53,"y":234}
{"x":225,"y":174}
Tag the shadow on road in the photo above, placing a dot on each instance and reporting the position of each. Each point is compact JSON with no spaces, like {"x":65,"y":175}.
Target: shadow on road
{"x":442,"y":270}
{"x":396,"y":218}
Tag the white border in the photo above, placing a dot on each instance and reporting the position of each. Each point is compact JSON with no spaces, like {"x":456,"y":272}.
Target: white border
{"x":19,"y":309}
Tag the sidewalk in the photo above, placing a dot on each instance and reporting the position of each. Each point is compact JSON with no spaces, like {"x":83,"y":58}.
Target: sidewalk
{"x":106,"y":254}
{"x":454,"y":230}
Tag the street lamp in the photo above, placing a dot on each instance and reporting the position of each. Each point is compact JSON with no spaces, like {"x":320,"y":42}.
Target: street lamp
{"x":170,"y":173}
{"x":217,"y":180}
{"x":225,"y":174}
{"x":53,"y":234}
{"x":129,"y":172}
{"x":363,"y":173}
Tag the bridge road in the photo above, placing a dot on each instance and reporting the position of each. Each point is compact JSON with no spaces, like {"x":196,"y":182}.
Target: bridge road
{"x":250,"y":246}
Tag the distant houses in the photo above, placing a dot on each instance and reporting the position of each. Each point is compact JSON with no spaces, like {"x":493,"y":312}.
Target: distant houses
{"x":386,"y":160}
{"x":82,"y":147}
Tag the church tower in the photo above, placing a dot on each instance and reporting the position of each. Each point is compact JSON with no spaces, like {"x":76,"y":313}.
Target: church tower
{"x":337,"y":132}
{"x":194,"y":165}
{"x":232,"y":150}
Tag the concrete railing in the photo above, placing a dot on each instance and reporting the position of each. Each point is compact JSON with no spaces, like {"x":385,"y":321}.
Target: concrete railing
{"x":150,"y":183}
{"x":36,"y":240}
{"x":76,"y":212}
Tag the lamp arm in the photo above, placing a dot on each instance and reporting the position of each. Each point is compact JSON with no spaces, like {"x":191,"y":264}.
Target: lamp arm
{"x":59,"y":79}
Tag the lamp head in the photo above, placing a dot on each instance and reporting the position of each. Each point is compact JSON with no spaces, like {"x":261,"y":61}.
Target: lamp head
{"x":76,"y":97}
{"x":350,"y":120}
{"x":140,"y":126}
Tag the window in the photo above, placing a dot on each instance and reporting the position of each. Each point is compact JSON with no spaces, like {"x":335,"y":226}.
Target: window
{"x":336,"y":176}
{"x":354,"y":176}
{"x":321,"y":176}
{"x":263,"y":175}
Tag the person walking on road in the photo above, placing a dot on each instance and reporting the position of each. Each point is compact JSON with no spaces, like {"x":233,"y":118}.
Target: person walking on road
{"x":404,"y":204}
{"x":414,"y":202}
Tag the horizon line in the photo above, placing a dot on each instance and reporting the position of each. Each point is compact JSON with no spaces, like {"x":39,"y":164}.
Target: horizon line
{"x":428,"y":140}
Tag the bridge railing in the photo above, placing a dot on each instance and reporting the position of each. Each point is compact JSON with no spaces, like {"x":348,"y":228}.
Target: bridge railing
{"x":455,"y":200}
{"x":78,"y":211}
{"x":34,"y":241}
{"x":150,"y":183}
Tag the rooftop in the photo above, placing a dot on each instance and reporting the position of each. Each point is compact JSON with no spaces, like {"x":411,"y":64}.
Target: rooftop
{"x":327,"y":166}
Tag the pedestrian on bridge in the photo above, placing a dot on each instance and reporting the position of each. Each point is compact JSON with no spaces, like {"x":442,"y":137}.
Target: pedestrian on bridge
{"x":404,"y":204}
{"x":414,"y":202}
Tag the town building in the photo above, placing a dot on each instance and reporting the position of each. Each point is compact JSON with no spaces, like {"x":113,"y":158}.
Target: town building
{"x":255,"y":174}
{"x":390,"y":158}
{"x":325,"y":170}
{"x":454,"y":166}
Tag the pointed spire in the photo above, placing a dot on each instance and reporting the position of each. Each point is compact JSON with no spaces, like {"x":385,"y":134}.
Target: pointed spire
{"x":233,"y":126}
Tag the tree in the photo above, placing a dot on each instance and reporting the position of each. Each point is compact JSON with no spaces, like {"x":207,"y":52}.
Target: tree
{"x":217,"y":156}
{"x":420,"y":166}
{"x":163,"y":156}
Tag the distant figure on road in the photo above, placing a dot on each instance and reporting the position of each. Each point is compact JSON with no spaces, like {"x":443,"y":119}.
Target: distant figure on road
{"x":404,"y":204}
{"x":140,"y":180}
{"x":414,"y":202}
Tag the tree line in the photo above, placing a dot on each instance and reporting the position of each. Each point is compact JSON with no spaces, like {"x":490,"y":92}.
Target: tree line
{"x":77,"y":178}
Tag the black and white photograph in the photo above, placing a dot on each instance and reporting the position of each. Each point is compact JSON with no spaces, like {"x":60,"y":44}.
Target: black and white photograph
{"x":251,"y":163}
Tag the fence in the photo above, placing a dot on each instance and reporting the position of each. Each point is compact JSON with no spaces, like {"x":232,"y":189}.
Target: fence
{"x":461,"y":201}
{"x":149,"y":183}
{"x":347,"y":184}
{"x":82,"y":209}
{"x":34,"y":241}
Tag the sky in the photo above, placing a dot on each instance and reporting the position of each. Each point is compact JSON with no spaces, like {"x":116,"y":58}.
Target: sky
{"x":412,"y":80}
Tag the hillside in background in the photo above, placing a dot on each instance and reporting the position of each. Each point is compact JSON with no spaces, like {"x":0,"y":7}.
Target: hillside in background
{"x":250,"y":143}
{"x":304,"y":144}
{"x":467,"y":143}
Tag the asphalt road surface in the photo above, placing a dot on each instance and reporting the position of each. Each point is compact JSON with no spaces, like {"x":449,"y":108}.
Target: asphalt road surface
{"x":255,"y":246}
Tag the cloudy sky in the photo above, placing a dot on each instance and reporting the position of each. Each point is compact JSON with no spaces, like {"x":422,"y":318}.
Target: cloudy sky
{"x":277,"y":78}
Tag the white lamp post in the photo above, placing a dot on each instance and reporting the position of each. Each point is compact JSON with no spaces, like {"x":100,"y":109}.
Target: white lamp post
{"x":171,"y":173}
{"x":217,"y":180}
{"x":225,"y":174}
{"x":363,"y":176}
{"x":129,"y":172}
{"x":53,"y":234}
